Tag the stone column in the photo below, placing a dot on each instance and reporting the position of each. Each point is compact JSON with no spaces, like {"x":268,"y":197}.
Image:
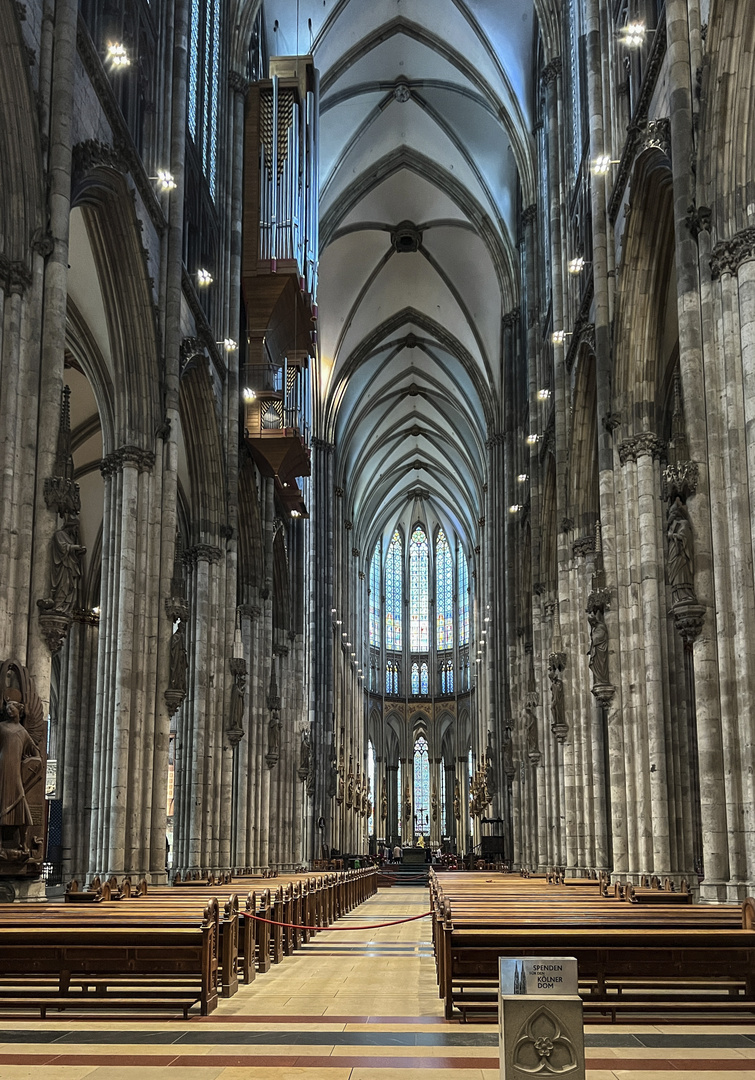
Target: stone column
{"x":713,"y":780}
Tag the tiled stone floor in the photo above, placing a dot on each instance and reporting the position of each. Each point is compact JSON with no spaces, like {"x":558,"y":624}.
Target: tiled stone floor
{"x":359,"y":1005}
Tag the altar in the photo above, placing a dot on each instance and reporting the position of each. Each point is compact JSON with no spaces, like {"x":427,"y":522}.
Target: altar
{"x":413,"y":856}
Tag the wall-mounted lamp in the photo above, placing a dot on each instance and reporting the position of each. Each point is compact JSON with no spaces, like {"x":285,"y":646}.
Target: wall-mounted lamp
{"x":558,"y":337}
{"x":165,"y":179}
{"x":602,"y":164}
{"x":204,"y":277}
{"x":117,"y":55}
{"x":633,"y":34}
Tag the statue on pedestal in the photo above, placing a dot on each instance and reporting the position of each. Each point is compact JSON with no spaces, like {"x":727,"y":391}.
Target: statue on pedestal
{"x":22,"y":766}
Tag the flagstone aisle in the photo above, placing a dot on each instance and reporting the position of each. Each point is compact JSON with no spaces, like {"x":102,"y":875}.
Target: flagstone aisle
{"x":352,"y":1005}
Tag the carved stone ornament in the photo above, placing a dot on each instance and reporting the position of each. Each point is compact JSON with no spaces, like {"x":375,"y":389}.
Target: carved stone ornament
{"x":23,"y":739}
{"x":406,"y":237}
{"x":637,"y":446}
{"x":728,"y":255}
{"x":66,"y":553}
{"x":689,"y":617}
{"x":680,"y":480}
{"x":543,"y":1048}
{"x":15,"y":277}
{"x":551,"y":71}
{"x":583,"y":546}
{"x":401,"y":93}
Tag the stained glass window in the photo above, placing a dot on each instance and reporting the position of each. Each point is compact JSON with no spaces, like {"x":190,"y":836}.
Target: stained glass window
{"x":375,"y":597}
{"x":204,"y":84}
{"x":393,"y":594}
{"x":421,"y":787}
{"x":193,"y":67}
{"x":213,"y":70}
{"x":419,"y":559}
{"x":443,"y":825}
{"x":463,"y":590}
{"x":415,"y":680}
{"x":399,"y":798}
{"x":371,"y":778}
{"x":447,"y":677}
{"x":424,"y":687}
{"x":444,"y":592}
{"x":391,"y":677}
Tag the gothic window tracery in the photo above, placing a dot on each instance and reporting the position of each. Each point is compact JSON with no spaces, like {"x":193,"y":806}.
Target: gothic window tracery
{"x":444,"y":593}
{"x":393,"y":594}
{"x":419,"y":558}
{"x":421,"y":787}
{"x":463,"y":595}
{"x":375,"y":597}
{"x":204,"y":85}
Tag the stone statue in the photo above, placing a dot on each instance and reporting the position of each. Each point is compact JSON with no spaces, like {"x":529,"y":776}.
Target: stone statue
{"x":681,"y":571}
{"x":408,"y":802}
{"x":598,"y":651}
{"x":491,"y":785}
{"x":67,"y":554}
{"x":20,"y":762}
{"x":332,"y":786}
{"x":305,"y":753}
{"x":557,"y":696}
{"x":457,"y":801}
{"x":384,"y":805}
{"x":530,"y":731}
{"x":350,"y":789}
{"x":179,"y":661}
{"x":273,"y":734}
{"x":236,"y":709}
{"x":434,"y":804}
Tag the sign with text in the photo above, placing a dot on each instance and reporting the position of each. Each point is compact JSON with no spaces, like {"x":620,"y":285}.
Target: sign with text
{"x":538,"y":975}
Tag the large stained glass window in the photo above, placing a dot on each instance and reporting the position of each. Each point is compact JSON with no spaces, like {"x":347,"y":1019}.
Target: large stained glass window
{"x":444,"y":593}
{"x":424,"y":680}
{"x":375,"y":597}
{"x":447,"y":677}
{"x":393,"y":594}
{"x":399,"y":799}
{"x":463,"y":591}
{"x":415,"y":680}
{"x":204,"y":84}
{"x":419,"y":606}
{"x":371,"y":778}
{"x":421,"y":787}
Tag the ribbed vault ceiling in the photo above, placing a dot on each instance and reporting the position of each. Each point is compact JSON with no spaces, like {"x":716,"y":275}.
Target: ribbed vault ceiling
{"x":425,"y":127}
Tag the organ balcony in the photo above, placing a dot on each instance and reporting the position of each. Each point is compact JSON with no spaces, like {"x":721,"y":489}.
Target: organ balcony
{"x":280,"y":212}
{"x":276,"y":403}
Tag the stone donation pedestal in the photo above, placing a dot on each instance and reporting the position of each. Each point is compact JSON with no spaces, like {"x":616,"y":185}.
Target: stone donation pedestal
{"x":540,"y":1023}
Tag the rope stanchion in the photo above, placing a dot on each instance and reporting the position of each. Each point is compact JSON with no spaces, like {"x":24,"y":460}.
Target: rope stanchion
{"x":301,"y":926}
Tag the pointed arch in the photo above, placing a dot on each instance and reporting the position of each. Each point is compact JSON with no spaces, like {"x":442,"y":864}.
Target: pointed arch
{"x":204,"y":451}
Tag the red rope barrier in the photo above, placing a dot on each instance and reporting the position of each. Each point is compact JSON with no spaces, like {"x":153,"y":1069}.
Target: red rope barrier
{"x":299,"y":926}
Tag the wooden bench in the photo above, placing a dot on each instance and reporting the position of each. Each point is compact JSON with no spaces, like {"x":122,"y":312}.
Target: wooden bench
{"x":60,"y":965}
